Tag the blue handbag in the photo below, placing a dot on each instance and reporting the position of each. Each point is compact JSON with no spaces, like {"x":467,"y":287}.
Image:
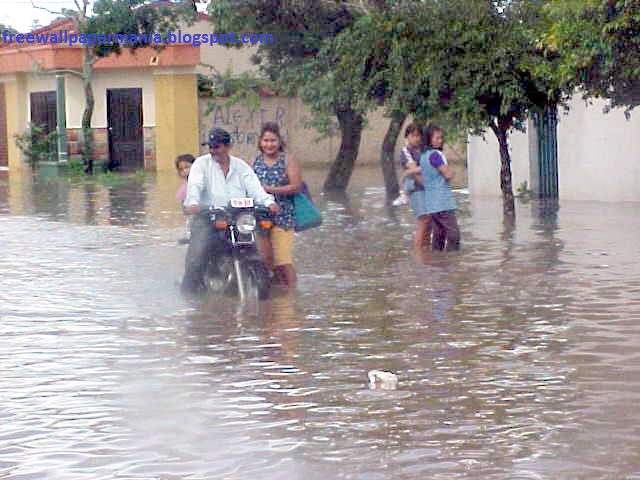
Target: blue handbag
{"x":306,"y":214}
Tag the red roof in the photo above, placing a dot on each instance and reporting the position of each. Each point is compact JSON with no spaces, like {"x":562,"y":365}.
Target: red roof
{"x":16,"y":57}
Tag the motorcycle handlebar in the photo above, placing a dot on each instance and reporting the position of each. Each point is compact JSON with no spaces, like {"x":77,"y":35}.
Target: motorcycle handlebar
{"x":207,"y":211}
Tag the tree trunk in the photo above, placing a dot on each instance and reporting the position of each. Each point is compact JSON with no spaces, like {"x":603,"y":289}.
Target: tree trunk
{"x":508,"y":202}
{"x":351,"y":124}
{"x":89,"y":103}
{"x":386,"y":155}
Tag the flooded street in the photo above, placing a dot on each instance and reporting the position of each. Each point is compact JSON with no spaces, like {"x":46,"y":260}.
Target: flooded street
{"x":517,"y":357}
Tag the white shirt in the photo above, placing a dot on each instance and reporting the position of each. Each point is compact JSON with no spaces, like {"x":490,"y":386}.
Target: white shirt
{"x":207,"y":184}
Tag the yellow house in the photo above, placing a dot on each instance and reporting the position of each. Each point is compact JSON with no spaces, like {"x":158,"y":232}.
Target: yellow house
{"x":146,"y":102}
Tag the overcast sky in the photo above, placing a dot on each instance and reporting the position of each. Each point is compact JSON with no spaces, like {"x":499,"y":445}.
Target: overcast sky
{"x":20,"y":13}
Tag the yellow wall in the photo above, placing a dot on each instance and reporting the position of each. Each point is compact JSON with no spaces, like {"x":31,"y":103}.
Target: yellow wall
{"x":176,"y":118}
{"x":15,"y":93}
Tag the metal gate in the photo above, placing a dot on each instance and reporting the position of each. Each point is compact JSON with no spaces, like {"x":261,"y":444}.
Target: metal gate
{"x":547,"y":128}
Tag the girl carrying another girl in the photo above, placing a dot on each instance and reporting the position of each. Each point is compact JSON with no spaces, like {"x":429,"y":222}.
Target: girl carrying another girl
{"x":438,"y":197}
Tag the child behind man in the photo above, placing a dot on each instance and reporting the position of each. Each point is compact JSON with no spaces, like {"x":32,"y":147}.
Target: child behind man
{"x":183,"y":167}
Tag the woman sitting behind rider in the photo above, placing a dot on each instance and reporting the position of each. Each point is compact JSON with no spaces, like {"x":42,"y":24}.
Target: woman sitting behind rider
{"x":280,"y":176}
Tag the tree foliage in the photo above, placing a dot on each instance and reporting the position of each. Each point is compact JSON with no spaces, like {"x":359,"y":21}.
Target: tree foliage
{"x":134,"y":16}
{"x":301,"y":61}
{"x":245,"y":88}
{"x":472,"y":65}
{"x":599,"y":43}
{"x":480,"y":64}
{"x":8,"y":28}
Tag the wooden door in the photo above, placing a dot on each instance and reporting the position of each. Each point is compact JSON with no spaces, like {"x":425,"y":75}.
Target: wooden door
{"x":124,"y":120}
{"x":4,"y":149}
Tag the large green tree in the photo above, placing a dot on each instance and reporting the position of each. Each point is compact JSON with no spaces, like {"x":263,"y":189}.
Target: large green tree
{"x":599,"y":45}
{"x":484,"y":68}
{"x":301,"y":61}
{"x":377,"y":51}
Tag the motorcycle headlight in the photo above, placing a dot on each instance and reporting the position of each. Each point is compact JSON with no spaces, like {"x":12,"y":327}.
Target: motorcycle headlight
{"x":246,"y":223}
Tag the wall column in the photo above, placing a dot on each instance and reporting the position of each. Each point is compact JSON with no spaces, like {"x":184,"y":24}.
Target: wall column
{"x":16,"y":102}
{"x":176,"y":132}
{"x":61,"y":119}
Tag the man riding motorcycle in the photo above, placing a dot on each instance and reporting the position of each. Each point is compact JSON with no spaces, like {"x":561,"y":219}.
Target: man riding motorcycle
{"x":214,"y":180}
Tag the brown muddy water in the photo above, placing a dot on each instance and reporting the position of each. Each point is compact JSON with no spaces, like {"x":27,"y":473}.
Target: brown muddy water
{"x":517,"y":357}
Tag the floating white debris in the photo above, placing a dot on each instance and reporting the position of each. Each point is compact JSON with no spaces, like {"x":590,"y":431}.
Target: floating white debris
{"x":379,"y":380}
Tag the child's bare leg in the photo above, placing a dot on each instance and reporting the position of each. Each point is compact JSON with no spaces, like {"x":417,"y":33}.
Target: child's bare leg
{"x":439,"y":233}
{"x":287,"y":275}
{"x":422,"y":227}
{"x":266,"y":251}
{"x":428,"y":231}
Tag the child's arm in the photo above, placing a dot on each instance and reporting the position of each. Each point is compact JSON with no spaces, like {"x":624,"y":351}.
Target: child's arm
{"x":446,"y":171}
{"x":436,"y":161}
{"x":411,"y":168}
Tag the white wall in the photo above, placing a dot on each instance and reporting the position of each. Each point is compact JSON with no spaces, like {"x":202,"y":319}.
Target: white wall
{"x":37,"y":83}
{"x":484,"y":162}
{"x":291,"y":114}
{"x":598,"y":154}
{"x":102,"y":80}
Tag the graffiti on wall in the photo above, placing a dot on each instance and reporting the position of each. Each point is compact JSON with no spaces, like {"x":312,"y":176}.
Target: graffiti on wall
{"x":244,"y":125}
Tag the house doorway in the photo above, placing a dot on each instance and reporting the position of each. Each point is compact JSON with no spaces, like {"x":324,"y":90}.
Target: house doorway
{"x":43,"y":118}
{"x":124,"y":121}
{"x":4,"y":150}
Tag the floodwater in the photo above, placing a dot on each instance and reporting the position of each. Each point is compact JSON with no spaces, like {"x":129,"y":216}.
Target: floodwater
{"x":517,"y":357}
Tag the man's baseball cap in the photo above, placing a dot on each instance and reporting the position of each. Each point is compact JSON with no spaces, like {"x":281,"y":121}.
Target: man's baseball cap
{"x":218,"y":136}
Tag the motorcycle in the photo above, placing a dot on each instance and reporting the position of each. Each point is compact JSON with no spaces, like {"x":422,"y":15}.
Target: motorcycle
{"x":238,"y":269}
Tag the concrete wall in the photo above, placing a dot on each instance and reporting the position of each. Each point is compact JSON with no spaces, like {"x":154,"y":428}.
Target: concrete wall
{"x":74,"y":94}
{"x":38,"y":83}
{"x":597,"y":156}
{"x":176,"y":129}
{"x":598,"y":153}
{"x":103,"y":80}
{"x":17,"y":116}
{"x":483,"y":160}
{"x":291,"y":114}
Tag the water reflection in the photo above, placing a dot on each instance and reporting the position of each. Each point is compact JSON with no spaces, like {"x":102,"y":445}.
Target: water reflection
{"x":91,"y":203}
{"x":515,"y":355}
{"x":127,"y":203}
{"x":4,"y":192}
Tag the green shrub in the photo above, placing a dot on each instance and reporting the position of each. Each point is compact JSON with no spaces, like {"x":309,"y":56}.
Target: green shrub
{"x":38,"y":146}
{"x":523,"y":192}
